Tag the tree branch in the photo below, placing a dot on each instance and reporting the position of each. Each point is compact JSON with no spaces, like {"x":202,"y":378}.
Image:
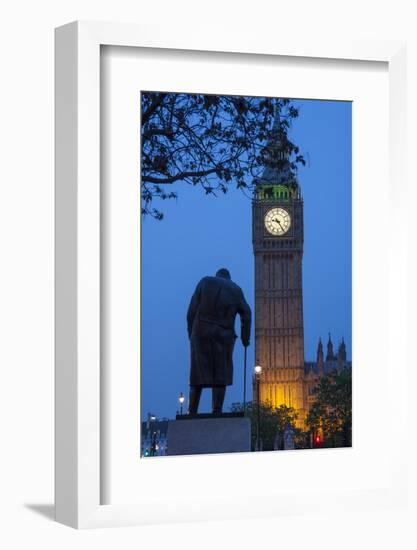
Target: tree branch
{"x":177,"y":177}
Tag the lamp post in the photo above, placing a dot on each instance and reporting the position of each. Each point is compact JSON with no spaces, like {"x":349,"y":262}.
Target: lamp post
{"x":258,"y":371}
{"x":152,"y":418}
{"x":154,"y":444}
{"x":181,"y":399}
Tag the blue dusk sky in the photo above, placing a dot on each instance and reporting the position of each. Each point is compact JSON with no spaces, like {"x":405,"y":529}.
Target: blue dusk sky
{"x":199,"y":234}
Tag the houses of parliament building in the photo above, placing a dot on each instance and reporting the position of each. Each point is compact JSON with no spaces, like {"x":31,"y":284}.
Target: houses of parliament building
{"x":278,"y":240}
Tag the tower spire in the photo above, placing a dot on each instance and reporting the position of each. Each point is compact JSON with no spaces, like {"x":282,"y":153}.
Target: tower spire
{"x":330,"y":353}
{"x":341,"y":352}
{"x":277,"y":165}
{"x":319,"y":349}
{"x":277,"y":116}
{"x":320,"y":357}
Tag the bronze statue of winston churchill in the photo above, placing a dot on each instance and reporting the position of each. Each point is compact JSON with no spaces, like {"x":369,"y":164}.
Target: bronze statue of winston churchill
{"x":211,"y":329}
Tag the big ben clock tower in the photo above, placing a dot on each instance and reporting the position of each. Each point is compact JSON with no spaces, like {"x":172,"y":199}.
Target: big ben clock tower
{"x":277,"y":212}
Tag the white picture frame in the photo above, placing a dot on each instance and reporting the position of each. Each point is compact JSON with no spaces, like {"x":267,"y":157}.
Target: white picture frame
{"x":78,"y":298}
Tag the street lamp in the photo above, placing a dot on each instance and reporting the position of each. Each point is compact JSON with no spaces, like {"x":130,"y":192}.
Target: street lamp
{"x":258,"y":371}
{"x":154,"y":445}
{"x":152,"y":419}
{"x":181,"y":399}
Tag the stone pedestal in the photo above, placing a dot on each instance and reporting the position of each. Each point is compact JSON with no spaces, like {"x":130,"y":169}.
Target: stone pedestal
{"x":208,"y":434}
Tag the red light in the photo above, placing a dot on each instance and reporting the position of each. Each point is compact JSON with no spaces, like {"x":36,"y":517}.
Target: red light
{"x":317,"y":439}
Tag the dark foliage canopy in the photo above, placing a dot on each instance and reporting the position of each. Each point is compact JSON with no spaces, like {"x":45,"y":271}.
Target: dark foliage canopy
{"x":273,"y":422}
{"x":209,"y":141}
{"x":332,"y":409}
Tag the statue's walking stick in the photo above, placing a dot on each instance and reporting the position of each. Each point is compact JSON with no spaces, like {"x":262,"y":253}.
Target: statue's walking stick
{"x":244,"y":383}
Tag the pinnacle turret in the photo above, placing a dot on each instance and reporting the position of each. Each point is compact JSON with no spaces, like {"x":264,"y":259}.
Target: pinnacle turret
{"x":278,"y":169}
{"x":330,"y":353}
{"x":320,"y":355}
{"x":341,"y":352}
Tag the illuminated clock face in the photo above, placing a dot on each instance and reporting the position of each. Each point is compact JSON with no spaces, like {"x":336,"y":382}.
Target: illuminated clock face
{"x":277,"y":221}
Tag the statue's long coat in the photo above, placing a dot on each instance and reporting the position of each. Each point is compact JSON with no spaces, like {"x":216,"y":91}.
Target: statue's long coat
{"x":211,"y":319}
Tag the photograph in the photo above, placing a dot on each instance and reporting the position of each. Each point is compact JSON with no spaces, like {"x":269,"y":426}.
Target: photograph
{"x":246,"y":273}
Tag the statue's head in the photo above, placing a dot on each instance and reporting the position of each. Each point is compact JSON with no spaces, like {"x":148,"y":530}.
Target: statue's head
{"x":224,"y":273}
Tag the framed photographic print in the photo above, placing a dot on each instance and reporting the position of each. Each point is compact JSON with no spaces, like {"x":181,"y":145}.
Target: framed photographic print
{"x":282,"y":225}
{"x":224,"y":212}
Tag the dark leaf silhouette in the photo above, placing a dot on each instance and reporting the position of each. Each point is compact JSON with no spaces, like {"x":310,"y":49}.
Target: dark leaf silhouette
{"x":207,"y":140}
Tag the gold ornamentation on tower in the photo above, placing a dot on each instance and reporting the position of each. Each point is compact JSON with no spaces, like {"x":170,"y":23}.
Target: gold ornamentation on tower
{"x":278,"y":248}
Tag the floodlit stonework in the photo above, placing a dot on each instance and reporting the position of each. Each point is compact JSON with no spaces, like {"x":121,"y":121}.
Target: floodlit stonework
{"x":278,"y":239}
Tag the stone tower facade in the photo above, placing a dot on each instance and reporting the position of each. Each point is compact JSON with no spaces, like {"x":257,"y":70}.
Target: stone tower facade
{"x":277,"y":236}
{"x":277,"y":214}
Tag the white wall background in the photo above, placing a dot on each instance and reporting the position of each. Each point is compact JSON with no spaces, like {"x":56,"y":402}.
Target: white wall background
{"x":26,"y":271}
